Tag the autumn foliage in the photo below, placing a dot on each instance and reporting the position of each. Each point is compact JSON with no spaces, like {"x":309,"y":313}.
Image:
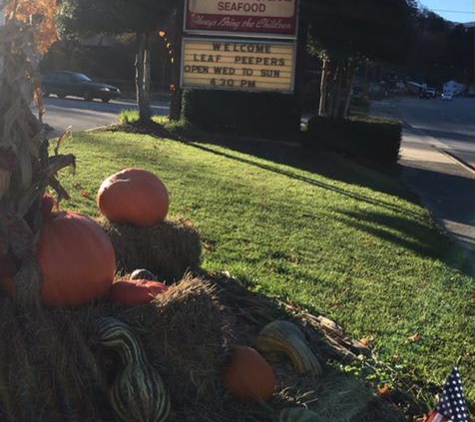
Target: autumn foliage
{"x":44,"y":13}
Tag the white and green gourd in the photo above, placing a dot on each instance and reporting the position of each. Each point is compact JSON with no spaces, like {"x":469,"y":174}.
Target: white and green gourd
{"x":298,"y":414}
{"x":138,"y":393}
{"x":285,"y":338}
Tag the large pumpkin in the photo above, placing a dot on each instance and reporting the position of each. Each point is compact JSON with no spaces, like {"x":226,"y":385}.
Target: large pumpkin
{"x":136,"y":292}
{"x":77,"y":260}
{"x":134,"y":196}
{"x":248,"y":376}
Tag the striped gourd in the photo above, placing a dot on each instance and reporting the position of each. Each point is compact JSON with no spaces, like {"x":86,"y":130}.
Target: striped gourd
{"x":298,"y":414}
{"x":137,"y":393}
{"x":283,"y":337}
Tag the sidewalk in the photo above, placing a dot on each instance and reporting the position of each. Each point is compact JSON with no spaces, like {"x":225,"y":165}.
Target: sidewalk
{"x":444,"y":185}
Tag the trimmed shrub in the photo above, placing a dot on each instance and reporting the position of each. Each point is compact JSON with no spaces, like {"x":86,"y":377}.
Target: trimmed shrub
{"x":377,"y":140}
{"x":243,"y":113}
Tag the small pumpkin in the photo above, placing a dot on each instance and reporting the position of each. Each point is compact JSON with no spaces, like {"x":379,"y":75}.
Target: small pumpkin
{"x":248,"y":376}
{"x":298,"y":414}
{"x":76,"y":258}
{"x":143,"y":274}
{"x":284,"y":337}
{"x":134,"y":196}
{"x":136,"y":292}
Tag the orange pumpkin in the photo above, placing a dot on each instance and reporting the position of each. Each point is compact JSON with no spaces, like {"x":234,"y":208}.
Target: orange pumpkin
{"x":76,"y":258}
{"x":248,"y":376}
{"x":136,"y":292}
{"x":134,"y":196}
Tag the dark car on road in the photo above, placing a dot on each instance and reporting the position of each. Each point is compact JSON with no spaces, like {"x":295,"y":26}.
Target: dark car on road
{"x":75,"y":84}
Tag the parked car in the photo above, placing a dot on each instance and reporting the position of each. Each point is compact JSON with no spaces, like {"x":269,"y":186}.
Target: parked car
{"x":447,"y":97}
{"x":428,"y":93}
{"x":75,"y":84}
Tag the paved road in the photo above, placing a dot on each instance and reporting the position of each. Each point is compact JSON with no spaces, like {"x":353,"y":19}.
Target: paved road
{"x":451,"y":124}
{"x":83,"y":115}
{"x":437,"y":154}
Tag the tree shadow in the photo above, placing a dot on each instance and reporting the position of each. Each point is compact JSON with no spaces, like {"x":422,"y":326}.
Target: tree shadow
{"x":421,"y":239}
{"x":319,"y":161}
{"x":299,"y":177}
{"x":410,"y":234}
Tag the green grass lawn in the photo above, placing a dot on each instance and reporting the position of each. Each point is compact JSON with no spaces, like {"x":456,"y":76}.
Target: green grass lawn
{"x":337,"y":238}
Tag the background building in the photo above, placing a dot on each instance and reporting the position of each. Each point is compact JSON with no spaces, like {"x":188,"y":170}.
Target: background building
{"x":454,"y":88}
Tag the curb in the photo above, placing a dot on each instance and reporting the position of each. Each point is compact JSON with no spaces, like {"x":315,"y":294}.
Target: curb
{"x":441,"y":147}
{"x":458,"y":160}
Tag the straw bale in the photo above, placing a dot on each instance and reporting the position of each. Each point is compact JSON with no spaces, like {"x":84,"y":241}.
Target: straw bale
{"x":187,"y":338}
{"x":52,"y":368}
{"x":169,"y":249}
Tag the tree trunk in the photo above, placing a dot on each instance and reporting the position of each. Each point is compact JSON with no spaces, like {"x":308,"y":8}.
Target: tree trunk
{"x":147,"y":79}
{"x":340,"y":74}
{"x":343,"y":87}
{"x":143,"y":98}
{"x":176,"y":100}
{"x":322,"y":108}
{"x":351,"y":83}
{"x":331,"y":89}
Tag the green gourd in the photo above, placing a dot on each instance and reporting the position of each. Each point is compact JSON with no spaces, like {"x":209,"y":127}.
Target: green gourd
{"x":137,"y":393}
{"x":283,"y":337}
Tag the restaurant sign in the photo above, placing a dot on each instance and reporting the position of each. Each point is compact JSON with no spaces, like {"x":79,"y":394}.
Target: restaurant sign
{"x":238,"y":66}
{"x":242,"y":17}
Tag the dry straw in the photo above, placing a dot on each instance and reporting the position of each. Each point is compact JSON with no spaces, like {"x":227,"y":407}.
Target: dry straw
{"x":53,"y":370}
{"x":169,"y":249}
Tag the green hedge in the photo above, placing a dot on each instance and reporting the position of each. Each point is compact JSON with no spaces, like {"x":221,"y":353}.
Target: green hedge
{"x":377,"y":140}
{"x":275,"y":116}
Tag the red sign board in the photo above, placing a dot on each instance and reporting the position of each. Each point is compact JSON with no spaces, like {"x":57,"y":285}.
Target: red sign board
{"x":242,"y":17}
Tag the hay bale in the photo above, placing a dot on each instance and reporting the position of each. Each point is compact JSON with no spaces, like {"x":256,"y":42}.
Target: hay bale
{"x":53,"y":369}
{"x":169,"y":249}
{"x":186,"y":338}
{"x":48,"y":371}
{"x":336,"y":396}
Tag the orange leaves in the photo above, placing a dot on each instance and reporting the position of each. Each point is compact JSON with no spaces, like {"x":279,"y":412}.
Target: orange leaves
{"x":367,"y":342}
{"x":40,"y":13}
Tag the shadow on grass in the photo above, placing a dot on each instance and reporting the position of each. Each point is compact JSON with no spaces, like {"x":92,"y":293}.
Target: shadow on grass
{"x":328,"y":165}
{"x":411,"y":235}
{"x":321,"y":162}
{"x":426,"y":240}
{"x":423,"y":240}
{"x":301,"y":178}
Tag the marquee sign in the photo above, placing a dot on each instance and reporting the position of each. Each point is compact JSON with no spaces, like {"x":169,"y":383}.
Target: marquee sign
{"x":242,"y":17}
{"x":233,"y":65}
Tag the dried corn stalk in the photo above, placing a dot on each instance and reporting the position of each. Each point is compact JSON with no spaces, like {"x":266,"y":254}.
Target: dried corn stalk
{"x":26,"y":170}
